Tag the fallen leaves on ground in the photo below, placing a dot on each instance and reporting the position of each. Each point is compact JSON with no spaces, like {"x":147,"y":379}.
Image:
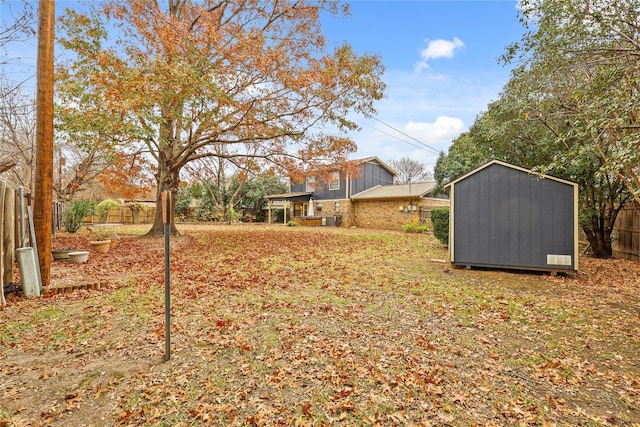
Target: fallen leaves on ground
{"x":303,"y":326}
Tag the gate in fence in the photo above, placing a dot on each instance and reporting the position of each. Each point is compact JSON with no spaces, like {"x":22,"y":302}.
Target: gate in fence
{"x":626,"y":233}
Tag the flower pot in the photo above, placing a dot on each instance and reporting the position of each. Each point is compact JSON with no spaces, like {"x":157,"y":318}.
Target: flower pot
{"x":100,"y":246}
{"x":79,"y":256}
{"x":61,"y":254}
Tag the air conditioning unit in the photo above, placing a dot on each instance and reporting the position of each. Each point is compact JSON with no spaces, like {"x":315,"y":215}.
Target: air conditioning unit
{"x":329,"y":221}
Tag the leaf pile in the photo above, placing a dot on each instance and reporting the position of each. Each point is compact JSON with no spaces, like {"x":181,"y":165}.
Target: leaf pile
{"x":303,"y":326}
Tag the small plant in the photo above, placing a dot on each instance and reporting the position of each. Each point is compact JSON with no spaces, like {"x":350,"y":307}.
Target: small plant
{"x":103,"y":208}
{"x":415,"y":227}
{"x":292,"y":224}
{"x":99,"y":233}
{"x":75,"y":213}
{"x":232,"y":215}
{"x":440,"y":222}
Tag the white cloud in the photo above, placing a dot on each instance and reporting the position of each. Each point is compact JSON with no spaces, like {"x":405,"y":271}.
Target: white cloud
{"x":433,"y":109}
{"x":388,"y":144}
{"x":437,"y":49}
{"x":443,"y":130}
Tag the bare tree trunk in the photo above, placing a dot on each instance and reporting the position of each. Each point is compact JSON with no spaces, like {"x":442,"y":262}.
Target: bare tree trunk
{"x":599,"y":232}
{"x":157,"y":229}
{"x":167,"y":179}
{"x":600,"y":246}
{"x":43,"y":193}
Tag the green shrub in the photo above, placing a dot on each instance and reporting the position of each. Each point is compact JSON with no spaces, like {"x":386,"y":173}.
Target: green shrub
{"x":184,"y":211}
{"x":292,"y":224}
{"x":415,"y":227}
{"x":75,"y":212}
{"x":103,"y":208}
{"x":440,"y":222}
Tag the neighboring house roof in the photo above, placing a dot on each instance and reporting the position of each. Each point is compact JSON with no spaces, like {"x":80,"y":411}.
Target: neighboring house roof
{"x":402,"y":191}
{"x":508,"y":165}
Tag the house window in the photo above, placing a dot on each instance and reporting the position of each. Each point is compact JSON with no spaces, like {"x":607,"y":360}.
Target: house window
{"x":311,"y":184}
{"x":336,"y":207}
{"x":318,"y":207}
{"x":334,"y":184}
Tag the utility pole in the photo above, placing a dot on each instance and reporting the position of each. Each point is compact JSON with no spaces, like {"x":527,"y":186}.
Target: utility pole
{"x":43,"y":189}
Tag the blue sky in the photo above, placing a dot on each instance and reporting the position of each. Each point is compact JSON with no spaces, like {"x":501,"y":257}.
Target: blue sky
{"x":441,"y":68}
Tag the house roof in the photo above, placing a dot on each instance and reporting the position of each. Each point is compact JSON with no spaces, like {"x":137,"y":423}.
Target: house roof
{"x":508,"y":165}
{"x":401,"y":191}
{"x":296,"y":196}
{"x":374,"y":159}
{"x":363,"y":160}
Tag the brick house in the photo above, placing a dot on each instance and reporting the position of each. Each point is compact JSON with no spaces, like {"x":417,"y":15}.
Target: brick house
{"x":391,"y":206}
{"x":366,"y":198}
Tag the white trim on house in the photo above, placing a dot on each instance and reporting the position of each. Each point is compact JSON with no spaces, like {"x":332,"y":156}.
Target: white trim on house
{"x":335,"y":179}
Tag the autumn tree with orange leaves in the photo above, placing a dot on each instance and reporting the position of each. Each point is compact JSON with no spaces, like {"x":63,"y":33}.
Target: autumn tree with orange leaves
{"x":188,"y":77}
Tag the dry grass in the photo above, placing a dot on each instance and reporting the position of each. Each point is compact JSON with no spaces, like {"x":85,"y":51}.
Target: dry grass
{"x":303,"y":326}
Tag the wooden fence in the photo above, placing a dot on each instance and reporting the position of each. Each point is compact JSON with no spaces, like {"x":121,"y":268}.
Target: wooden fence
{"x":626,"y":233}
{"x":124,"y":215}
{"x":7,"y":250}
{"x":14,"y":231}
{"x":15,"y":227}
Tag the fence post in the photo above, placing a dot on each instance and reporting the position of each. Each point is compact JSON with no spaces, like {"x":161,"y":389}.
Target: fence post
{"x":2,"y":194}
{"x":21,"y":215}
{"x":9,"y":235}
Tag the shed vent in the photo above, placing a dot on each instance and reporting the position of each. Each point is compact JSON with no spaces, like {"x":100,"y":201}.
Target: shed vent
{"x":558,"y":259}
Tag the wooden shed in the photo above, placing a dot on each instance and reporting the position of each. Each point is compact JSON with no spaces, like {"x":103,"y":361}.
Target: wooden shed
{"x":504,"y":216}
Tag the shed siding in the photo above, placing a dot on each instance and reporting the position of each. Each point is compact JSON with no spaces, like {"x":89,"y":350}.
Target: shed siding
{"x":506,"y":217}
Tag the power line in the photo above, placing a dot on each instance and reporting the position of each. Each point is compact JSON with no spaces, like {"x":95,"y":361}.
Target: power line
{"x":395,"y":136}
{"x":408,"y":136}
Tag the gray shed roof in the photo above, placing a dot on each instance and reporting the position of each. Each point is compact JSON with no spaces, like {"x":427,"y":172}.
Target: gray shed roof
{"x":508,"y":165}
{"x":402,"y":191}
